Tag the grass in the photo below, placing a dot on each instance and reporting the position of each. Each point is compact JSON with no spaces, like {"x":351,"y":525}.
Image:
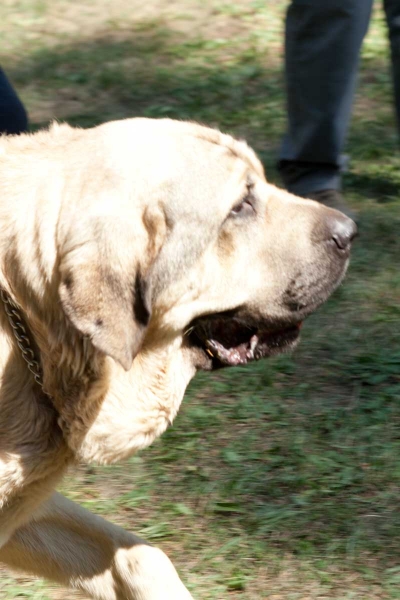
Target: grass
{"x":280,"y":480}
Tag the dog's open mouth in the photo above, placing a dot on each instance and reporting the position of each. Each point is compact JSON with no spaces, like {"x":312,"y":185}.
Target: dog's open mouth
{"x":231,"y":342}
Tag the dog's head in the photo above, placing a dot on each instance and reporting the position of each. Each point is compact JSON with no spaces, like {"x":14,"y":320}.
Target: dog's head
{"x":173,"y":232}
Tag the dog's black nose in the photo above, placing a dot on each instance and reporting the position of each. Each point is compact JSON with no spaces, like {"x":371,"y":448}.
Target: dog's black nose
{"x":341,"y":230}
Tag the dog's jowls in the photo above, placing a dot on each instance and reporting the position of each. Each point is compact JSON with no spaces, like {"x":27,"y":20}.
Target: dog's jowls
{"x":138,"y":252}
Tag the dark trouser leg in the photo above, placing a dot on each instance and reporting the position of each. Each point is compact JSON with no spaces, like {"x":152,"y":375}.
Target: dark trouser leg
{"x":323,"y":40}
{"x":392,"y":9}
{"x":13,"y":118}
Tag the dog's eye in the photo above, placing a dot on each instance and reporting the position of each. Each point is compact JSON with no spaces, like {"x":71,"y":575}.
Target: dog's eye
{"x":244,"y":208}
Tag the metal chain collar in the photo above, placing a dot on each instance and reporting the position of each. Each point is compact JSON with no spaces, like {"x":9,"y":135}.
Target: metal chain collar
{"x":22,"y":337}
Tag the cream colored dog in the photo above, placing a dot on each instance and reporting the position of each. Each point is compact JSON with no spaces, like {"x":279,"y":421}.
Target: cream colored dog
{"x":137,"y":252}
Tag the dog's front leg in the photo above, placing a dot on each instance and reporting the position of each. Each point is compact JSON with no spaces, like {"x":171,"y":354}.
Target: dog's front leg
{"x":68,"y":544}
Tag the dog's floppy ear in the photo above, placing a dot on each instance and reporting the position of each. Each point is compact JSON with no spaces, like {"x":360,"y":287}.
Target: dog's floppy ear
{"x":102,"y":293}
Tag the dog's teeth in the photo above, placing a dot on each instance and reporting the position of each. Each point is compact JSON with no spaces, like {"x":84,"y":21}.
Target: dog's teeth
{"x":253,"y":343}
{"x":253,"y":346}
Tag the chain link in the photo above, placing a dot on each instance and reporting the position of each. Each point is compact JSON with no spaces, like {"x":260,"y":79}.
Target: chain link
{"x":22,"y":337}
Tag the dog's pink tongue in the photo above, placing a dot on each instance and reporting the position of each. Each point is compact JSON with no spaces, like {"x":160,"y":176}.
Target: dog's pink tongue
{"x":237,"y":355}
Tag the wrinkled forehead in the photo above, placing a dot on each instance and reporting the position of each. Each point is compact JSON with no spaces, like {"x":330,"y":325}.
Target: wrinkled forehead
{"x":183,"y":166}
{"x":165,"y":133}
{"x":207,"y":175}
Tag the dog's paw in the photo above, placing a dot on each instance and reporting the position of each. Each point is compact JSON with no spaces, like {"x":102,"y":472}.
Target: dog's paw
{"x":146,"y":573}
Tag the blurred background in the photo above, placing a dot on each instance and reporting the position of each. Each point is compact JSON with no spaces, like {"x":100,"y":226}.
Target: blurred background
{"x":280,"y":480}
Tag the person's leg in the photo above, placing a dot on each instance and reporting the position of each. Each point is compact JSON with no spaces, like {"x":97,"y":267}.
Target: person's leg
{"x":392,"y":9}
{"x":13,"y":117}
{"x":323,"y":41}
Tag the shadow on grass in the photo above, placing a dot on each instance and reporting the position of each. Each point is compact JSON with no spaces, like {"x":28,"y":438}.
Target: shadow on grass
{"x":154,"y":74}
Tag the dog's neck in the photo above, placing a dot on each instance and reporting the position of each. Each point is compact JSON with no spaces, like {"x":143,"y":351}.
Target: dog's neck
{"x":105,"y":413}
